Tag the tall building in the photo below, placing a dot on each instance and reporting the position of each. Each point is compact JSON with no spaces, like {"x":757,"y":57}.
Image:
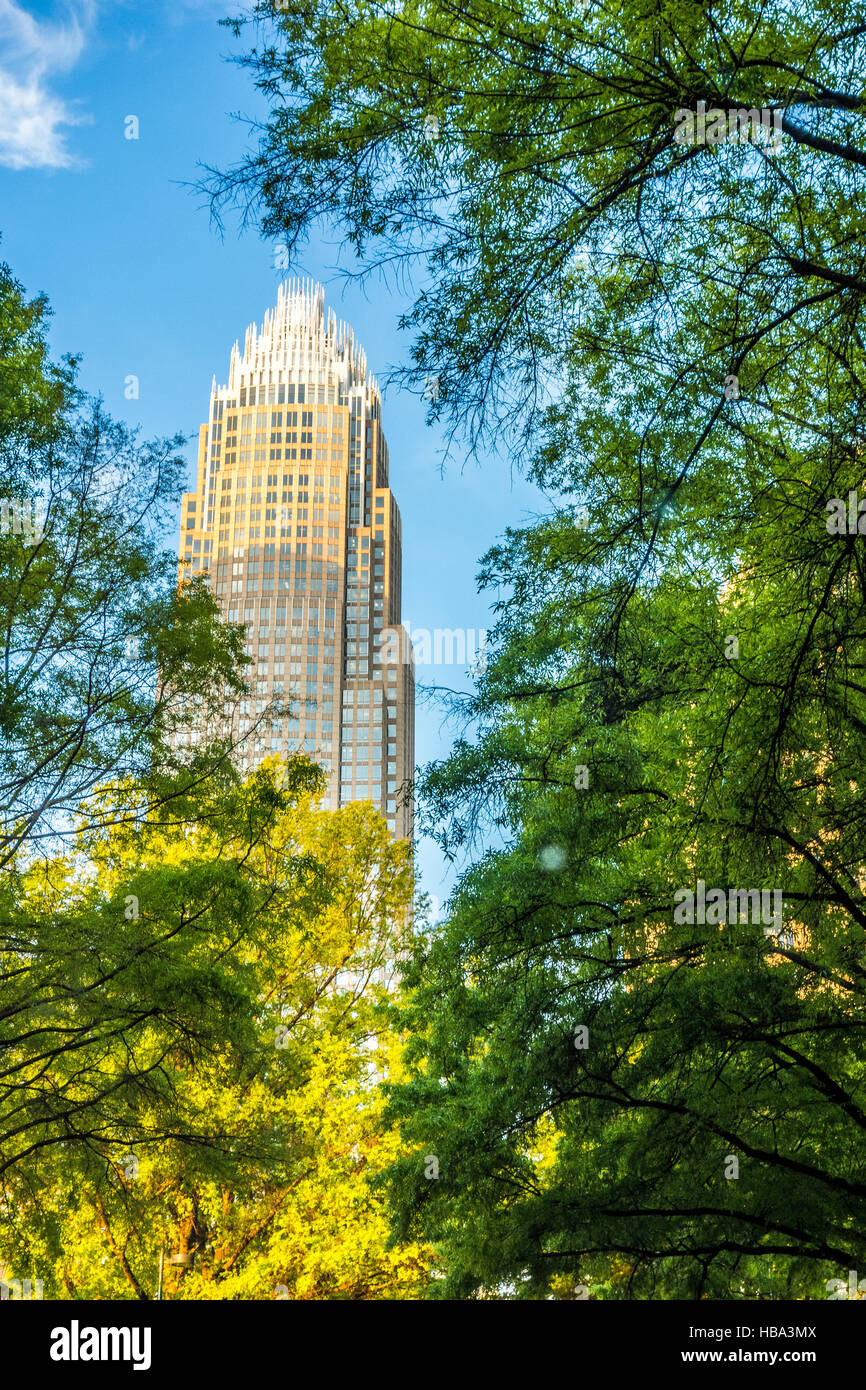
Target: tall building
{"x":294,"y":520}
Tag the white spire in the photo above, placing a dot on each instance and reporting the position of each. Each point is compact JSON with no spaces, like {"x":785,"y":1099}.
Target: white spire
{"x":299,"y":339}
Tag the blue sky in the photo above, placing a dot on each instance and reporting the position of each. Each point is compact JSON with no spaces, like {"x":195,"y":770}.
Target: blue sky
{"x":141,"y":284}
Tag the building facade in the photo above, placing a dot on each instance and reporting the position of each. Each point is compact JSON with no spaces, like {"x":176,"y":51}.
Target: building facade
{"x":294,"y":522}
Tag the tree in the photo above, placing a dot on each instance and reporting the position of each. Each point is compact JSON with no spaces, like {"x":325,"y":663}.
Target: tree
{"x":248,"y":1001}
{"x":91,"y":607}
{"x":527,"y":163}
{"x":34,"y":391}
{"x":101,"y":655}
{"x":602,"y":1158}
{"x":670,"y":334}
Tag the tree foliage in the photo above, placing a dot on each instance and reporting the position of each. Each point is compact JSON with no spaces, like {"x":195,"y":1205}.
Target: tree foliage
{"x":193,"y":969}
{"x":91,"y":614}
{"x":100,"y":655}
{"x":670,"y":336}
{"x":211,"y":1010}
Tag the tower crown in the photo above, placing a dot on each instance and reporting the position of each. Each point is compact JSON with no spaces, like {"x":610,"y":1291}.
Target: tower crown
{"x":301,"y":339}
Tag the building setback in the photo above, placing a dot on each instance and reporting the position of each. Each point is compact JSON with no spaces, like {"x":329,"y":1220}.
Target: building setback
{"x":294,"y":521}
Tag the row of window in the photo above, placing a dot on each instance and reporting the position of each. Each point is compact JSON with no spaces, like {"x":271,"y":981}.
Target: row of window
{"x":360,"y":791}
{"x":273,"y":480}
{"x":291,"y":392}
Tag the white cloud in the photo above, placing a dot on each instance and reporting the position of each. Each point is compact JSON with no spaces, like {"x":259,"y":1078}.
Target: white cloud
{"x":32,"y":118}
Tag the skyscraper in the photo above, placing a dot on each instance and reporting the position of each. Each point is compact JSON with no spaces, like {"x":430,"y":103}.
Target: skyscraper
{"x":294,"y":520}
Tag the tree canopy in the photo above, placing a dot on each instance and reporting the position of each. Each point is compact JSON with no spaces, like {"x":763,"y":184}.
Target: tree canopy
{"x":196,"y":1077}
{"x":101,"y":654}
{"x":668,"y":335}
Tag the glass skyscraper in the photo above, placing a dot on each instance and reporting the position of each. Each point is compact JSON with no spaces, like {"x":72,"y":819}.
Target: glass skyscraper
{"x":294,"y":522}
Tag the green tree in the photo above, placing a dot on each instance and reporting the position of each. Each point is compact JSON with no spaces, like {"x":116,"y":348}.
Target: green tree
{"x":670,"y":335}
{"x":91,"y":607}
{"x":242,"y":1030}
{"x":101,"y":658}
{"x":34,"y":391}
{"x":552,"y":214}
{"x":603,"y":1159}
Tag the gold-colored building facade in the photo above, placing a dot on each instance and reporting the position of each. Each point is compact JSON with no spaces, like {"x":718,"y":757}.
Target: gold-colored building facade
{"x":295,"y":524}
